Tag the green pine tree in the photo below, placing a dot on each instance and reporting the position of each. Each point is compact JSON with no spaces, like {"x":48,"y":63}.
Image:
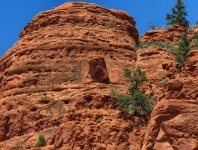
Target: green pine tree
{"x":182,"y":51}
{"x":135,"y":102}
{"x":178,"y":15}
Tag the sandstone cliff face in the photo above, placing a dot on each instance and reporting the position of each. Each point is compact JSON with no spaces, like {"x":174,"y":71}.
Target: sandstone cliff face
{"x":174,"y":121}
{"x":56,"y":81}
{"x":52,"y":78}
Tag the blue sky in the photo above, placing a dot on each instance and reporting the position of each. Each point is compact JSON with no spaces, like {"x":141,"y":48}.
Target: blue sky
{"x":15,"y":14}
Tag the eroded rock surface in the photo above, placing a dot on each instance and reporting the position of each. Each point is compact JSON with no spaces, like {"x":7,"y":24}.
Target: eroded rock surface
{"x":173,"y":126}
{"x":174,"y":121}
{"x":169,"y":35}
{"x":57,"y":79}
{"x":62,"y":58}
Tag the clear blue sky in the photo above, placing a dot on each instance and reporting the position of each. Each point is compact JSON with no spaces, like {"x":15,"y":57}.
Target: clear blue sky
{"x":15,"y":14}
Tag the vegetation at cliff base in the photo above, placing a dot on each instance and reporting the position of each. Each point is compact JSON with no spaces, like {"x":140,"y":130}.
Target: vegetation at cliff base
{"x":135,"y":102}
{"x":178,"y":15}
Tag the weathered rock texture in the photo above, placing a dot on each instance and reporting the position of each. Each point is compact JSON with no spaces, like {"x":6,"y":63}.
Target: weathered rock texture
{"x":173,"y":126}
{"x":169,"y":35}
{"x":159,"y":66}
{"x":56,"y":81}
{"x":50,"y":79}
{"x":174,"y":120}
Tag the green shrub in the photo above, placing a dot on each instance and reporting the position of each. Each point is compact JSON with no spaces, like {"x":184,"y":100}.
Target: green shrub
{"x":165,"y":46}
{"x":98,"y":119}
{"x":125,"y":103}
{"x":178,"y":15}
{"x":165,"y":80}
{"x":41,"y":141}
{"x":181,"y":53}
{"x":144,"y":44}
{"x":195,"y":40}
{"x":135,"y":102}
{"x":195,"y":34}
{"x":195,"y":43}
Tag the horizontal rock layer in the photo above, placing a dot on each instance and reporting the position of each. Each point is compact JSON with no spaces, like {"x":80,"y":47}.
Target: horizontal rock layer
{"x":65,"y":54}
{"x":57,"y":80}
{"x":169,"y":35}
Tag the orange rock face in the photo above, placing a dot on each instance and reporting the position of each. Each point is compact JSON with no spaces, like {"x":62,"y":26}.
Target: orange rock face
{"x":64,"y":57}
{"x":57,"y":81}
{"x":170,"y":35}
{"x":174,"y":120}
{"x":173,"y":125}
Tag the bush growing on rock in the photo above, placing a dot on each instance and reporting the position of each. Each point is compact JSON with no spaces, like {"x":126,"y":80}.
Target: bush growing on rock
{"x":98,"y":119}
{"x":41,"y":141}
{"x":163,"y":45}
{"x":178,"y":15}
{"x":195,"y":43}
{"x":135,"y":102}
{"x":182,"y":51}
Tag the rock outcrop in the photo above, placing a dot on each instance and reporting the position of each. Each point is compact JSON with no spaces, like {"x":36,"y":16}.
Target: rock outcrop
{"x":159,"y":66}
{"x":169,"y":35}
{"x":58,"y":78}
{"x":174,"y":121}
{"x":52,"y":79}
{"x":173,"y":125}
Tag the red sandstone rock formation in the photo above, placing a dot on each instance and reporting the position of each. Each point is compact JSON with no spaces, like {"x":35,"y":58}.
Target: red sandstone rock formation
{"x":174,"y":121}
{"x":52,"y":79}
{"x":170,"y":35}
{"x":56,"y":81}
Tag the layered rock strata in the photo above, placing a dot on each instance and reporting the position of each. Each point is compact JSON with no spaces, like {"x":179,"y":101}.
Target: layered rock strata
{"x":64,"y":57}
